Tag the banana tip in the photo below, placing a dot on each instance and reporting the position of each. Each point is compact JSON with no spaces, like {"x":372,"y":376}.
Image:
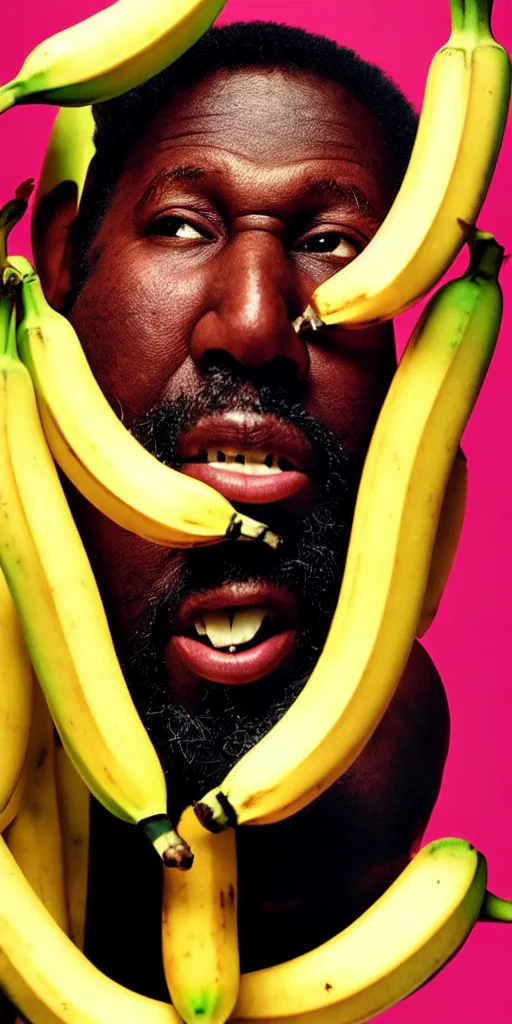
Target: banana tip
{"x":173,"y":850}
{"x":215,"y":813}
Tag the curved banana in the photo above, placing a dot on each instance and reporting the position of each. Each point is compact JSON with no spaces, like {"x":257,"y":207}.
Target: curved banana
{"x":447,"y":539}
{"x":63,"y":620}
{"x":199,"y":927}
{"x":386,"y":954}
{"x":15,"y":697}
{"x":395,"y":521}
{"x":34,"y":838}
{"x":397,"y":945}
{"x":455,"y":151}
{"x":99,"y":455}
{"x":12,"y":807}
{"x":74,"y":813}
{"x":109,"y":53}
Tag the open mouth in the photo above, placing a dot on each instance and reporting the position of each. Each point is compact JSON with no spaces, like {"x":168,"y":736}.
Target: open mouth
{"x":249,"y":459}
{"x":237,"y":633}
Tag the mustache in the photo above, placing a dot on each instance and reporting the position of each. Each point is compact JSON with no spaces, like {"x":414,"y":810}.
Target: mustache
{"x":197,"y":750}
{"x":308,"y":559}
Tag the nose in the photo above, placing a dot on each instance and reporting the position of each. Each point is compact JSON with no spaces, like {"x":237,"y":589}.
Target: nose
{"x":253,"y":298}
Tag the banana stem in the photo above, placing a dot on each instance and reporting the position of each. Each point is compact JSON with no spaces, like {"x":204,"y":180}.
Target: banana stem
{"x":10,"y":214}
{"x":477,"y":18}
{"x":457,"y":15}
{"x":8,"y":327}
{"x":7,"y":97}
{"x":6,"y":306}
{"x":486,"y":255}
{"x":173,"y":850}
{"x":496,"y":909}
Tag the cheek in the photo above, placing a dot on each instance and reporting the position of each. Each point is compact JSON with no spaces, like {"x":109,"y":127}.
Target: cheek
{"x":134,"y":318}
{"x":348,"y":384}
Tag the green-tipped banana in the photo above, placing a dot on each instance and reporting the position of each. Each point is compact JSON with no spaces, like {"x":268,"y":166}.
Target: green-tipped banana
{"x":111,"y":52}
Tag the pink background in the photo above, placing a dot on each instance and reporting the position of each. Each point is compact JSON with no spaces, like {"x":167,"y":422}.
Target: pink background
{"x":470,"y":640}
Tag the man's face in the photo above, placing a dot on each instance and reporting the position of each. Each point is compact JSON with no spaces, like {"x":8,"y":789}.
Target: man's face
{"x":244,"y":194}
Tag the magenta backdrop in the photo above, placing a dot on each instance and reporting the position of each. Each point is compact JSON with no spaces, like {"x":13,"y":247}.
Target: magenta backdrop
{"x":470,"y":640}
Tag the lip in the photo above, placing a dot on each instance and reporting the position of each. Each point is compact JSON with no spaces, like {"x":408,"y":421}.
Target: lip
{"x":249,"y":431}
{"x":247,"y":666}
{"x":234,"y":669}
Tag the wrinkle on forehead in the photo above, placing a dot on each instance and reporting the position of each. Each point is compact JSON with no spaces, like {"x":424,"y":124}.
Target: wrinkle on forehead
{"x":266,"y":113}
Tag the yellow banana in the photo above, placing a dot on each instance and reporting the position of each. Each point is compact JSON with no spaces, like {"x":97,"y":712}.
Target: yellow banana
{"x":74,"y":812}
{"x":99,"y":455}
{"x":68,"y":154}
{"x":12,"y":807}
{"x":392,"y":949}
{"x":15,"y":697}
{"x":447,"y":540}
{"x":63,"y":620}
{"x":455,"y":151}
{"x":199,"y":927}
{"x":34,"y":837}
{"x":109,"y":53}
{"x":395,"y":521}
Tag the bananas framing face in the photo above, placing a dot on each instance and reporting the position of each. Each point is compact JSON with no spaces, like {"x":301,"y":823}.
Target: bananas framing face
{"x":63,"y":620}
{"x":397,"y":512}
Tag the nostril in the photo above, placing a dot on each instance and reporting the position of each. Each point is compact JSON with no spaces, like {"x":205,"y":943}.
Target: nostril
{"x":214,"y":360}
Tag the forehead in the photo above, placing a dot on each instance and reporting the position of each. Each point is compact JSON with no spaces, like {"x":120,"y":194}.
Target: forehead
{"x":272,"y":121}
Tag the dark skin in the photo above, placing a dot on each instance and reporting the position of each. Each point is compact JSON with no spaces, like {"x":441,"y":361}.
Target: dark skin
{"x":158,"y":302}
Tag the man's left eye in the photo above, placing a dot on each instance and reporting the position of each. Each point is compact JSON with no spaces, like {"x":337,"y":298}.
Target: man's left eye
{"x":176,"y":227}
{"x":332,"y":242}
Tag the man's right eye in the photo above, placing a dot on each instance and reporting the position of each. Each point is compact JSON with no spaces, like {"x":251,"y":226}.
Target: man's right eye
{"x":176,"y":227}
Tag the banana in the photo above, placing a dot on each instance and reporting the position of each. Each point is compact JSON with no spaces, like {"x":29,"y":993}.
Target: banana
{"x":74,"y":813}
{"x":397,"y":512}
{"x":109,"y":53}
{"x":99,"y":455}
{"x":34,"y":838}
{"x":15,"y":698}
{"x":459,"y":137}
{"x":199,"y":927}
{"x":63,"y":620}
{"x":68,"y":154}
{"x":12,"y":807}
{"x":394,"y":947}
{"x":447,"y":539}
{"x":386,"y":954}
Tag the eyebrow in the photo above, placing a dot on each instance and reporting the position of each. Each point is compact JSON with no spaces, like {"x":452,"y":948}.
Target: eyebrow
{"x":157,"y":186}
{"x":351,"y":196}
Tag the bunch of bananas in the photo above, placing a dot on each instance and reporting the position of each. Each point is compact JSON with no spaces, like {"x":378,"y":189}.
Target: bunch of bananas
{"x":68,"y":726}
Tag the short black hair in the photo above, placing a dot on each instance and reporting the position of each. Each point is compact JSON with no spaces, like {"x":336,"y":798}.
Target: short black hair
{"x":261,"y":44}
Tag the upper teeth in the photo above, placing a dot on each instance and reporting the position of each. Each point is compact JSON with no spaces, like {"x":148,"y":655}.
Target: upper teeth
{"x":231,"y":626}
{"x":245,"y":460}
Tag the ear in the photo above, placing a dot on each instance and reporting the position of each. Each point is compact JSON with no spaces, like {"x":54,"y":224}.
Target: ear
{"x":52,"y":220}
